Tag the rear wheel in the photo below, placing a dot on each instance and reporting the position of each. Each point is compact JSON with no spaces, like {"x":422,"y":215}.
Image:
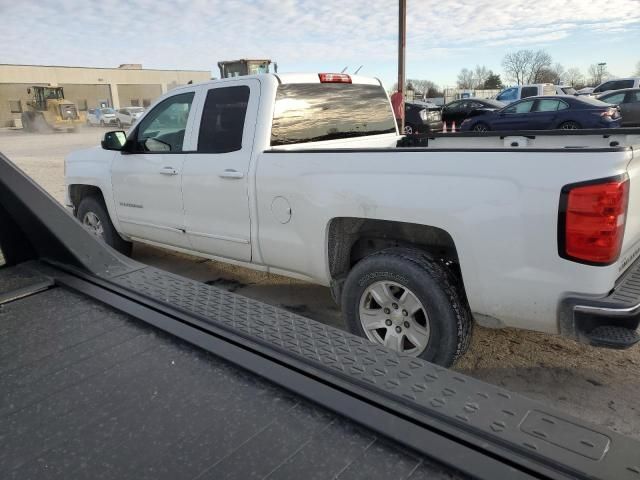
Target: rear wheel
{"x":570,"y":126}
{"x":409,"y":129}
{"x":93,"y":215}
{"x":480,"y":127}
{"x":410,"y":303}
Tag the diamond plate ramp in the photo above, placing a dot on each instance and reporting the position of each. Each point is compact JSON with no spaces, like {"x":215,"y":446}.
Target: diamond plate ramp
{"x":501,"y":417}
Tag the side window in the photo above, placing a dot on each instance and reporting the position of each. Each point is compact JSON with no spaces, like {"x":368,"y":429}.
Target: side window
{"x":633,"y":97}
{"x":162,"y":130}
{"x":522,"y":107}
{"x":509,"y":94}
{"x":620,"y":84}
{"x":547,"y":105}
{"x":529,"y":92}
{"x":223,"y":120}
{"x":615,"y":98}
{"x":604,"y":87}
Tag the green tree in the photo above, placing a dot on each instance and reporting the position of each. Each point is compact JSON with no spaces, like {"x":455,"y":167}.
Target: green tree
{"x":493,"y":81}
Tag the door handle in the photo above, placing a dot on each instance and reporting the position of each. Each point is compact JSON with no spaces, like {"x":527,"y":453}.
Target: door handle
{"x":230,"y":173}
{"x":168,"y":171}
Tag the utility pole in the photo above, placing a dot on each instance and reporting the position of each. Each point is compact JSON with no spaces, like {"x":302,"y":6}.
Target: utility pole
{"x":402,"y":42}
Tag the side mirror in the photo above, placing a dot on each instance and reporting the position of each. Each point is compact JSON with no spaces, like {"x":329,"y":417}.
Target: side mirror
{"x":114,"y":140}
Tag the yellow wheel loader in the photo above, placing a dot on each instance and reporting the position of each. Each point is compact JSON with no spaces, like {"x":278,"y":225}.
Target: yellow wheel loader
{"x":49,"y":111}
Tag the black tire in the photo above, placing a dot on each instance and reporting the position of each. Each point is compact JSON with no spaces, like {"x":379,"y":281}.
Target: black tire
{"x":570,"y":125}
{"x":480,"y":127}
{"x":409,"y":129}
{"x":434,"y":285}
{"x":95,"y":205}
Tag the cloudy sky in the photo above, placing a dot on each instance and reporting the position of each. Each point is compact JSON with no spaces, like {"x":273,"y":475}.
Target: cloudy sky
{"x":320,"y":35}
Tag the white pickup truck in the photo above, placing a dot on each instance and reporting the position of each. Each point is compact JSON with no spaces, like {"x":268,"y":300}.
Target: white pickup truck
{"x":305,"y":175}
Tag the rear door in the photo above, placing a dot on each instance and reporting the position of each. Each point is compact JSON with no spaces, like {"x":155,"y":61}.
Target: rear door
{"x":147,"y":179}
{"x":215,"y":181}
{"x":545,"y":113}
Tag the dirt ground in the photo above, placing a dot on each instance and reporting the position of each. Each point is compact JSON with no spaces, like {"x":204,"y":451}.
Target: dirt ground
{"x":599,"y":385}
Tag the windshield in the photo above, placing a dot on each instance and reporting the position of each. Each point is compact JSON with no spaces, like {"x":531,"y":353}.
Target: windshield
{"x":107,"y":110}
{"x":326,"y":111}
{"x":568,"y":90}
{"x":135,"y":109}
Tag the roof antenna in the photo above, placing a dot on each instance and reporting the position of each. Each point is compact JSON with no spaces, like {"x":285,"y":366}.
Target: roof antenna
{"x":356,"y":72}
{"x":344,"y":69}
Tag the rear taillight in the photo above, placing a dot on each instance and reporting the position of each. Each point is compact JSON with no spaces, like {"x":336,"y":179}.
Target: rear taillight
{"x":334,"y":78}
{"x":592,"y":220}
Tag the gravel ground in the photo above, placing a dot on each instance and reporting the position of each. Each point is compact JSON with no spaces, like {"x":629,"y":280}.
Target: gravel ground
{"x":599,"y":385}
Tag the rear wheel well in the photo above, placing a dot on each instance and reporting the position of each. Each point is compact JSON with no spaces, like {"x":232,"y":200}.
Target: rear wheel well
{"x":352,"y":239}
{"x":78,"y":192}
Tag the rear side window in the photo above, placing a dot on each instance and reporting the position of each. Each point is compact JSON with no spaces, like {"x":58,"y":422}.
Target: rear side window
{"x":529,"y":92}
{"x":223,"y":118}
{"x":548,"y":105}
{"x":623,"y":84}
{"x":312,"y":112}
{"x":633,"y":97}
{"x":522,"y":107}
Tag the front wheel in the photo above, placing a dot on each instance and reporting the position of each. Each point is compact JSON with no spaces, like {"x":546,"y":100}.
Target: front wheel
{"x":410,"y":303}
{"x":409,"y":129}
{"x":480,"y":127}
{"x":93,"y":215}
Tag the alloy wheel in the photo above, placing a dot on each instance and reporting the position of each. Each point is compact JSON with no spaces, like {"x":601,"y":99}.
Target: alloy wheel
{"x":392,"y":315}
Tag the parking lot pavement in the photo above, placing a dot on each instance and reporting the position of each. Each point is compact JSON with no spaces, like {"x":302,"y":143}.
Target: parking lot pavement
{"x":595,"y":384}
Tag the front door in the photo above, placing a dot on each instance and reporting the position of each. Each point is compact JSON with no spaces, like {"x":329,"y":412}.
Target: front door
{"x":147,"y":177}
{"x":215,"y":182}
{"x":514,"y":117}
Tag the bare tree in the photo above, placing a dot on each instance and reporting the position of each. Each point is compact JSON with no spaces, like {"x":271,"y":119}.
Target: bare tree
{"x":598,"y":73}
{"x":540,"y":62}
{"x":526,"y":66}
{"x":574,"y":77}
{"x":425,"y":88}
{"x":466,"y":79}
{"x":516,"y":65}
{"x":480,"y":75}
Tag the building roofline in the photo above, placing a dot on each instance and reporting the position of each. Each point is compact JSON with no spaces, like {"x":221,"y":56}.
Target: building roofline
{"x":105,"y":68}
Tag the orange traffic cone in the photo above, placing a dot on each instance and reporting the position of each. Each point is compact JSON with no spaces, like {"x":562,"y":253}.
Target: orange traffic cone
{"x":453,"y":127}
{"x":444,"y":127}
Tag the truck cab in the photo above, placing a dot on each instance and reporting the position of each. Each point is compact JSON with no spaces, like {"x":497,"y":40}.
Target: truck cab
{"x":511,"y":94}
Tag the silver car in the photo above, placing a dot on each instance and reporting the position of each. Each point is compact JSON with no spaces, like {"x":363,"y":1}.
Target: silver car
{"x":628,"y":100}
{"x":127,"y":116}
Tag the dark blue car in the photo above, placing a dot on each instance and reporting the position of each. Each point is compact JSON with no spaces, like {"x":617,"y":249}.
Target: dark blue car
{"x":546,"y":113}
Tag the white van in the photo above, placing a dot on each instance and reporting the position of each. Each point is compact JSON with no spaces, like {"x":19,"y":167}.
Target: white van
{"x":518,"y":92}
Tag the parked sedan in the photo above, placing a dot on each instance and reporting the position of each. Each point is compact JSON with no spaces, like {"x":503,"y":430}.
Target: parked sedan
{"x":547,"y":113}
{"x":421,"y":117}
{"x":101,"y":116}
{"x":127,"y":116}
{"x":459,"y":110}
{"x":628,"y":100}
